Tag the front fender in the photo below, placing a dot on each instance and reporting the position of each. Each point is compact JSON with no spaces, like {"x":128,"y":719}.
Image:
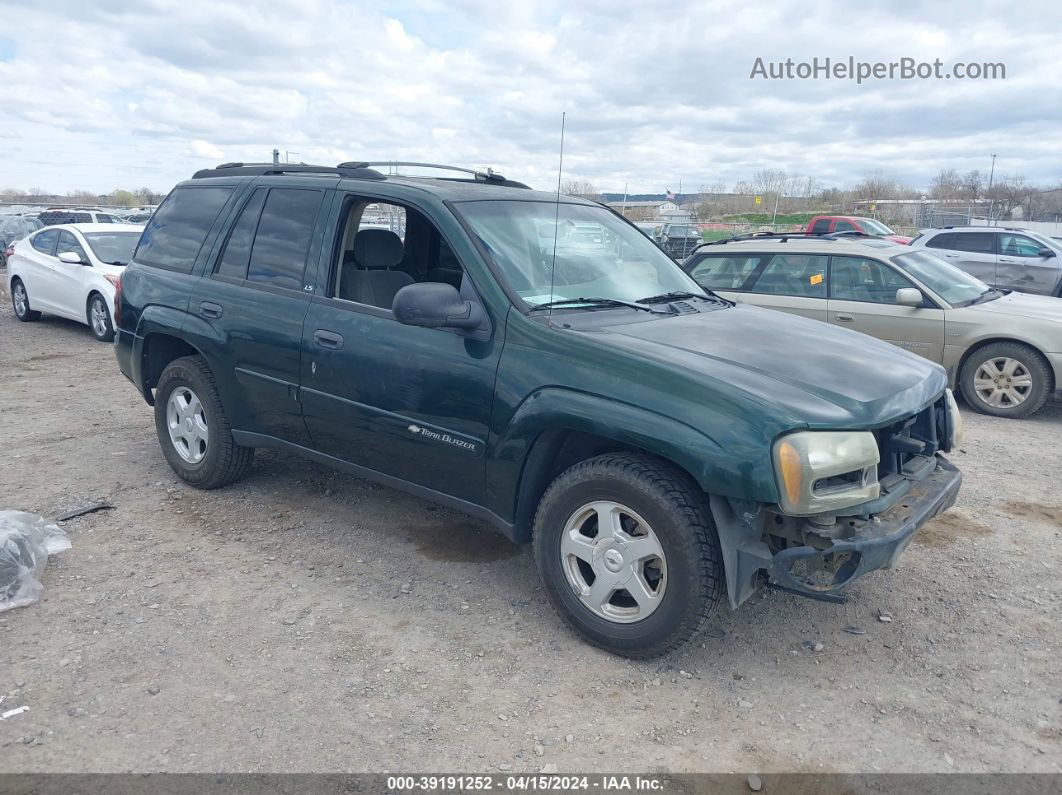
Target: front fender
{"x":731,"y":471}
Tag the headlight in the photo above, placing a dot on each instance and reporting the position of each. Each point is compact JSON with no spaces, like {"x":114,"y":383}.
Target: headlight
{"x":955,"y":432}
{"x":823,"y":471}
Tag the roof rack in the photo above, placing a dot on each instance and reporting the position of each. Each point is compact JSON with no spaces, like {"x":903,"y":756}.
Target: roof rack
{"x":265,"y":169}
{"x":782,"y":237}
{"x":489,"y":175}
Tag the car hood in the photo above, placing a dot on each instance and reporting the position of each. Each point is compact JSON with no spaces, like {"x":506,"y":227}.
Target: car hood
{"x":1024,"y":305}
{"x":805,"y":372}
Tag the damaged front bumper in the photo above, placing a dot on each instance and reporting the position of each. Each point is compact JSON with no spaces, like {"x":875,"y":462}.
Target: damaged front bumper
{"x":830,"y":555}
{"x":838,"y":554}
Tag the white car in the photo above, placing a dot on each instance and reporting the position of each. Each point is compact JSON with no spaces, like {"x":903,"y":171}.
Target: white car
{"x":71,"y":271}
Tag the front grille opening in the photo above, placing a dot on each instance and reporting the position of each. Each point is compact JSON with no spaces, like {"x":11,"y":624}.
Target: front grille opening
{"x":827,"y":571}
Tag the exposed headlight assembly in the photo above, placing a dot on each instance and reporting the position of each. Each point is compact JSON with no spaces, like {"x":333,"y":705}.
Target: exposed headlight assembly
{"x":824,"y":471}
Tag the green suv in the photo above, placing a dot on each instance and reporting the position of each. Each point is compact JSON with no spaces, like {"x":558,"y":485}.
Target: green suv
{"x":537,"y":362}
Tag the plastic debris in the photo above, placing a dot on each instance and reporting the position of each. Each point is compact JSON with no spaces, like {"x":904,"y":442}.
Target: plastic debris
{"x":26,"y":541}
{"x":91,"y":508}
{"x":13,"y":712}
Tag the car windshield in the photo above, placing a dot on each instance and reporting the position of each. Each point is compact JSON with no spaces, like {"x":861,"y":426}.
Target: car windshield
{"x":114,"y":248}
{"x":876,"y":227}
{"x":956,"y":287}
{"x":615,"y":262}
{"x":682,"y":231}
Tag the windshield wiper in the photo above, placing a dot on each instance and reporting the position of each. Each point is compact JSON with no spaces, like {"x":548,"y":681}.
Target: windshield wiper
{"x":988,"y":295}
{"x":597,"y":302}
{"x":678,"y":295}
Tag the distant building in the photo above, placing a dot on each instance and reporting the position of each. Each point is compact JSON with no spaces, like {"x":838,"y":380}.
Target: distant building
{"x":655,"y":210}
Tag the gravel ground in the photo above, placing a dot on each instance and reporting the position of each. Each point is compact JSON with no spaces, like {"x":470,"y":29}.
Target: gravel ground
{"x":305,"y":620}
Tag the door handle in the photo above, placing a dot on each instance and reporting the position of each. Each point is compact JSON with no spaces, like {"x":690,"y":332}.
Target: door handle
{"x":210,"y":310}
{"x":1005,"y":259}
{"x":328,"y":339}
{"x":845,"y":318}
{"x":951,"y":256}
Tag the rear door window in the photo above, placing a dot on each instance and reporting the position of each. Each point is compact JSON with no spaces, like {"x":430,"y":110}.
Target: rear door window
{"x":941,"y":241}
{"x":45,"y":241}
{"x":282,"y":242}
{"x":237,"y":251}
{"x":821,"y":226}
{"x":176,"y":231}
{"x":723,"y":272}
{"x":974,"y":242}
{"x":793,"y":274}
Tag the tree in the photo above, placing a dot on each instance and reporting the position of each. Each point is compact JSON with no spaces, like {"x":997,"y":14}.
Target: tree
{"x":877,"y":185}
{"x":946,"y":185}
{"x":582,"y":188}
{"x":1008,"y":193}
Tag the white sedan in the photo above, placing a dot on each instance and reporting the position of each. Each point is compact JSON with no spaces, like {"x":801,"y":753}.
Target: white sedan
{"x":71,"y":271}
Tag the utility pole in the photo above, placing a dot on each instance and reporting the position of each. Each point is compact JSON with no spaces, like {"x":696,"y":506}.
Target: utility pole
{"x":276,"y":156}
{"x":774,"y":218}
{"x":991,"y":199}
{"x":624,"y":208}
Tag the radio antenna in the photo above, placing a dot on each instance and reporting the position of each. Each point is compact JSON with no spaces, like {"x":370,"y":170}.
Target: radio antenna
{"x":556,"y":221}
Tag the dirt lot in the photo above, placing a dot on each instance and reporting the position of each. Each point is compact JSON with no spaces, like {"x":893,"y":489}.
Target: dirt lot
{"x":304,"y":620}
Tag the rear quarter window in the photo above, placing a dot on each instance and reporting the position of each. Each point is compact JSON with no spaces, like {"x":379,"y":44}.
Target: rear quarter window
{"x":175,"y":234}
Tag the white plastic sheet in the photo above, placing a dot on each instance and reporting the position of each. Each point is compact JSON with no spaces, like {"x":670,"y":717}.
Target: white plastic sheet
{"x":26,"y":541}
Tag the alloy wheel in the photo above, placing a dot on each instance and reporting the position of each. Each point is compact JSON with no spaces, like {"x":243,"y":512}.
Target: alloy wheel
{"x":1003,"y":382}
{"x":187,"y":424}
{"x":21,"y":301}
{"x":614,"y":562}
{"x":98,"y":316}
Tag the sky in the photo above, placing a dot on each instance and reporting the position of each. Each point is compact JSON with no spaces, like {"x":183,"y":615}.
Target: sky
{"x":105,"y":94}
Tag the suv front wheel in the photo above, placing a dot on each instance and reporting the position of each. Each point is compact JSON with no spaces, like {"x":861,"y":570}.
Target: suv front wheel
{"x":628,"y":553}
{"x":194,"y":432}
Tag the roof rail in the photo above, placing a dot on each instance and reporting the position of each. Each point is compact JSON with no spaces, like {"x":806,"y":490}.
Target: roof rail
{"x":265,"y":169}
{"x":782,"y":237}
{"x":489,"y":175}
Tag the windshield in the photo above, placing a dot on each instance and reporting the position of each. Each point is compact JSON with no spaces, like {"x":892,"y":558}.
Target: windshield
{"x":682,"y":231}
{"x":876,"y":227}
{"x":597,"y":254}
{"x":114,"y":248}
{"x":956,"y":287}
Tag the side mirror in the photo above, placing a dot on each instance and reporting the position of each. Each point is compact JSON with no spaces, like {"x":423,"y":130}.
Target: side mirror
{"x":909,"y":296}
{"x":1046,"y":252}
{"x":435,"y":305}
{"x":70,"y":258}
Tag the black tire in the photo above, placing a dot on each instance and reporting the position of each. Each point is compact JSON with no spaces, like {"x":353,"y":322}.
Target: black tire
{"x":224,"y":461}
{"x":677,"y":510}
{"x":27,"y":315}
{"x":1031,"y":362}
{"x":107,"y":334}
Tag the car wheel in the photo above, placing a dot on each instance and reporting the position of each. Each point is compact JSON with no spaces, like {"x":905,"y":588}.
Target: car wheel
{"x":20,"y":301}
{"x":192,"y":427}
{"x":1006,"y":379}
{"x":628,"y":553}
{"x":99,"y":318}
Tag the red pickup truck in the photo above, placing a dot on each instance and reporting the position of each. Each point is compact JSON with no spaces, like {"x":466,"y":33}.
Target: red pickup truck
{"x":824,"y":224}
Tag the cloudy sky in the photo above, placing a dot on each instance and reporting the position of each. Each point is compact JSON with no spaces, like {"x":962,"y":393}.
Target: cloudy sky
{"x":103,"y":94}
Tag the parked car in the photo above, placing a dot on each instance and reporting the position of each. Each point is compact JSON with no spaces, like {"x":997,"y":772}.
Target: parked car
{"x":679,"y":240}
{"x":829,"y":224}
{"x":71,"y":271}
{"x":1007,"y":257}
{"x":13,"y":228}
{"x":648,"y":229}
{"x":54,"y":216}
{"x":664,"y":449}
{"x":1002,"y":349}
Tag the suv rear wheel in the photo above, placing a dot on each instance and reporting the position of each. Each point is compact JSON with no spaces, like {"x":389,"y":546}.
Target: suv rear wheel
{"x":1005,"y":379}
{"x":628,"y":553}
{"x":194,"y":432}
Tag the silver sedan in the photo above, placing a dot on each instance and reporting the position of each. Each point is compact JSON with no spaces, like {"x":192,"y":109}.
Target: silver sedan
{"x":1002,"y":349}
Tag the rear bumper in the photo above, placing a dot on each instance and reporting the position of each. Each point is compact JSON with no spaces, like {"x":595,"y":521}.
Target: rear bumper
{"x":824,"y":570}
